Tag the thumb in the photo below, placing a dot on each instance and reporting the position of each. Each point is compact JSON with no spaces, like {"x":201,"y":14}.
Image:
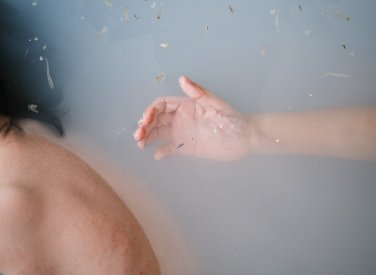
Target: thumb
{"x":192,"y":89}
{"x":197,"y":92}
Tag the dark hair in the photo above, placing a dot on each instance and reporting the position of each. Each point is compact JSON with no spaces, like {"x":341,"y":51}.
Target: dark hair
{"x":26,"y":88}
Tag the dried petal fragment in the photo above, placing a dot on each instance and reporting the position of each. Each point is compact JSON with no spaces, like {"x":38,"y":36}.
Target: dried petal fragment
{"x":102,"y":32}
{"x":49,"y":79}
{"x":126,"y":14}
{"x":33,"y":108}
{"x":340,"y":75}
{"x":160,"y":77}
{"x":275,"y":13}
{"x":231,"y":9}
{"x":158,"y":15}
{"x":108,"y":3}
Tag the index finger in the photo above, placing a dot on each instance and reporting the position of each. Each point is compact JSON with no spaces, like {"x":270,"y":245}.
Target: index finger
{"x":159,"y":106}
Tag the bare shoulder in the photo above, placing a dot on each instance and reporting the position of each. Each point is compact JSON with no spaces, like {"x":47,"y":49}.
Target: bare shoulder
{"x":53,"y":201}
{"x":18,"y":204}
{"x":20,"y":214}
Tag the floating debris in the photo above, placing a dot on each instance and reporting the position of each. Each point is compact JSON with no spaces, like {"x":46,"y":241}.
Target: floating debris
{"x":158,"y":15}
{"x":33,"y":108}
{"x":340,"y":75}
{"x":310,"y":95}
{"x":35,"y":3}
{"x":160,"y":77}
{"x":344,"y":46}
{"x":122,"y":129}
{"x":277,"y":140}
{"x":231,"y":9}
{"x":164,"y":45}
{"x":275,"y":13}
{"x":307,"y":31}
{"x":26,"y":53}
{"x":44,"y":47}
{"x":137,"y":18}
{"x":49,"y":79}
{"x":338,"y":15}
{"x":102,"y":32}
{"x":263,"y":50}
{"x":36,"y":38}
{"x":126,"y":14}
{"x":41,"y":58}
{"x":207,"y":27}
{"x":300,"y":8}
{"x":108,"y":3}
{"x":180,"y":145}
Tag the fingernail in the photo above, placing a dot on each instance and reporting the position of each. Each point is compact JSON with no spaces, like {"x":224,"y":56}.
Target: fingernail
{"x":183,"y":79}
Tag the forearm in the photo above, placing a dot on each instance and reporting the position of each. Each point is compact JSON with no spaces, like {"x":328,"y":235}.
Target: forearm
{"x":344,"y":133}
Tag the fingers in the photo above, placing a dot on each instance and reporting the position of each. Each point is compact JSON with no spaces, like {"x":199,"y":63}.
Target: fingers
{"x":140,"y":133}
{"x":153,"y":124}
{"x":147,"y":119}
{"x":164,"y":105}
{"x":162,"y":132}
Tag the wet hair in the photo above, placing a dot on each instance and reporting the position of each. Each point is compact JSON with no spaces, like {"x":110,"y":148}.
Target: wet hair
{"x":25,"y":90}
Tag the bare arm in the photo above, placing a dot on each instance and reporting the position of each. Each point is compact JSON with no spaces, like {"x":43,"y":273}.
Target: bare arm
{"x":343,"y":133}
{"x":205,"y":126}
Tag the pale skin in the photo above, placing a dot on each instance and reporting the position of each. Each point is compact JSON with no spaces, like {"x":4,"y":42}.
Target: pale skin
{"x":58,"y":216}
{"x":203,"y":125}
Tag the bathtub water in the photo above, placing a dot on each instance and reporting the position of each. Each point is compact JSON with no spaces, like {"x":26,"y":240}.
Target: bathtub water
{"x":261,"y":215}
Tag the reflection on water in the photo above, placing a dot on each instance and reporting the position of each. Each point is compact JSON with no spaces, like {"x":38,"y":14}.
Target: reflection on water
{"x":263,"y":215}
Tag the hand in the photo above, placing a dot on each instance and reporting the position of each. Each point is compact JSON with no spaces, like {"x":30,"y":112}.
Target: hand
{"x":200,"y":125}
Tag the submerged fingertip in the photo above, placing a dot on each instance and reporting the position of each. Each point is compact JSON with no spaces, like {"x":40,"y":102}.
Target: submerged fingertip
{"x":182,"y":78}
{"x":185,"y":80}
{"x":136,"y":134}
{"x":141,"y":144}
